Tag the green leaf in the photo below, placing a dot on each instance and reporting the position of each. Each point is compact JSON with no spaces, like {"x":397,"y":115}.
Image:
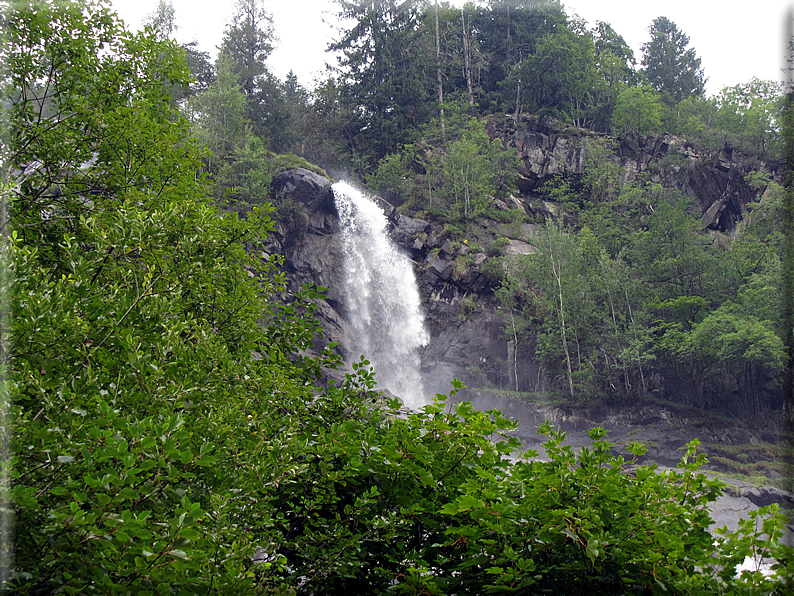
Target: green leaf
{"x":178,"y":554}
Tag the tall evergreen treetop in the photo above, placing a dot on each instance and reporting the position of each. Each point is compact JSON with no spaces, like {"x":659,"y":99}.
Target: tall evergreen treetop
{"x":671,"y":68}
{"x":384,"y":72}
{"x":248,"y":39}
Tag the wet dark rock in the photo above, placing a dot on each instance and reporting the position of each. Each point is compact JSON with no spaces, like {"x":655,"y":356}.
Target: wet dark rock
{"x":441,"y":267}
{"x":324,"y":223}
{"x":411,"y":225}
{"x":446,"y":248}
{"x":435,"y":235}
{"x":307,"y":188}
{"x":389,"y":210}
{"x":767,"y":495}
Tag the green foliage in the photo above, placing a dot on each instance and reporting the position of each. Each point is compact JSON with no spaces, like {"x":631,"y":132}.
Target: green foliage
{"x":741,"y":345}
{"x":590,"y":297}
{"x":561,"y":74}
{"x":554,"y":269}
{"x":614,"y":65}
{"x":466,"y":170}
{"x":508,"y":216}
{"x":494,"y":269}
{"x":459,"y":182}
{"x":281,"y":162}
{"x":162,"y":20}
{"x":246,"y":176}
{"x":749,"y":116}
{"x":694,"y":118}
{"x":383,"y":58}
{"x":201,"y":69}
{"x":498,"y":246}
{"x":638,"y":111}
{"x":395,"y":179}
{"x":218,"y":114}
{"x":614,"y":56}
{"x":247,"y":42}
{"x":591,"y":530}
{"x":245,"y":99}
{"x":244,"y":179}
{"x":134,"y":321}
{"x":637,"y":280}
{"x":507,"y":31}
{"x":672,"y":254}
{"x":171,"y":433}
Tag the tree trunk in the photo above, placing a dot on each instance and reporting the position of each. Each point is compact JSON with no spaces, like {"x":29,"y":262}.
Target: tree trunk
{"x":639,"y":354}
{"x":440,"y":81}
{"x":466,"y":58}
{"x":558,"y":276}
{"x":515,"y":349}
{"x":518,"y":100}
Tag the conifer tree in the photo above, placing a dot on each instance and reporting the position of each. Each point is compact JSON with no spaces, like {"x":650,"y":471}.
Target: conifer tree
{"x":672,"y":68}
{"x":248,"y":40}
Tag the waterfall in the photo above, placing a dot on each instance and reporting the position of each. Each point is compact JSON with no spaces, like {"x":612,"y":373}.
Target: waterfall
{"x":385,"y":315}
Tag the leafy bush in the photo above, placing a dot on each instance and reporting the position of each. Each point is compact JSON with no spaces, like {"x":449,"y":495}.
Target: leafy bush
{"x":748,"y":115}
{"x":581,"y":524}
{"x":245,"y":178}
{"x":506,"y":215}
{"x":671,"y":159}
{"x":498,"y":246}
{"x":638,"y":111}
{"x":494,"y":269}
{"x":458,"y":182}
{"x":395,"y":177}
{"x":281,"y":162}
{"x":137,"y":442}
{"x":431,"y":501}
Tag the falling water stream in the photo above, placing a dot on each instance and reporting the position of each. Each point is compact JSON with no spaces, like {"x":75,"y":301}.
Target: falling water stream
{"x":384,"y":311}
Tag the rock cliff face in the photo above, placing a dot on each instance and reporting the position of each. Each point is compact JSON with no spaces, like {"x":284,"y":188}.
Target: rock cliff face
{"x":716,"y":182}
{"x":456,"y":277}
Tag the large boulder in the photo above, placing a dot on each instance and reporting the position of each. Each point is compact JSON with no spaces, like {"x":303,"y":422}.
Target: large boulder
{"x":307,"y":188}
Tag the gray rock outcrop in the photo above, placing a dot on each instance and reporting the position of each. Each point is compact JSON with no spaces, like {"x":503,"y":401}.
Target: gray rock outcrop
{"x":716,"y":183}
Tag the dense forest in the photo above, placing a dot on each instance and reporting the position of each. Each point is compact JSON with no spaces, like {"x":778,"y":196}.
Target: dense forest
{"x":168,"y":429}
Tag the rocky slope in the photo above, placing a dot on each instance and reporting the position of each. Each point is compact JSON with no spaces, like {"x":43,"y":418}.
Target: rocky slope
{"x":457,"y":281}
{"x":715,"y":182}
{"x":456,"y":275}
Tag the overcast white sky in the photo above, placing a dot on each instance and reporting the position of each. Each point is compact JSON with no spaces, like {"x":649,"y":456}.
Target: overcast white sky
{"x":734,"y":44}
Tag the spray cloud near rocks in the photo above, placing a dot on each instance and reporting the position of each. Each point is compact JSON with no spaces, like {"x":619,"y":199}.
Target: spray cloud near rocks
{"x":385,"y":314}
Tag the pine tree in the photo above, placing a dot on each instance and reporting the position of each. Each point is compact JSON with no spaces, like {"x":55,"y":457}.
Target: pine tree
{"x":248,"y":40}
{"x":385,"y":72}
{"x":671,"y":68}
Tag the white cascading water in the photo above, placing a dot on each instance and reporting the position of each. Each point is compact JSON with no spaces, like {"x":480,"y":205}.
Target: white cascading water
{"x":385,"y":314}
